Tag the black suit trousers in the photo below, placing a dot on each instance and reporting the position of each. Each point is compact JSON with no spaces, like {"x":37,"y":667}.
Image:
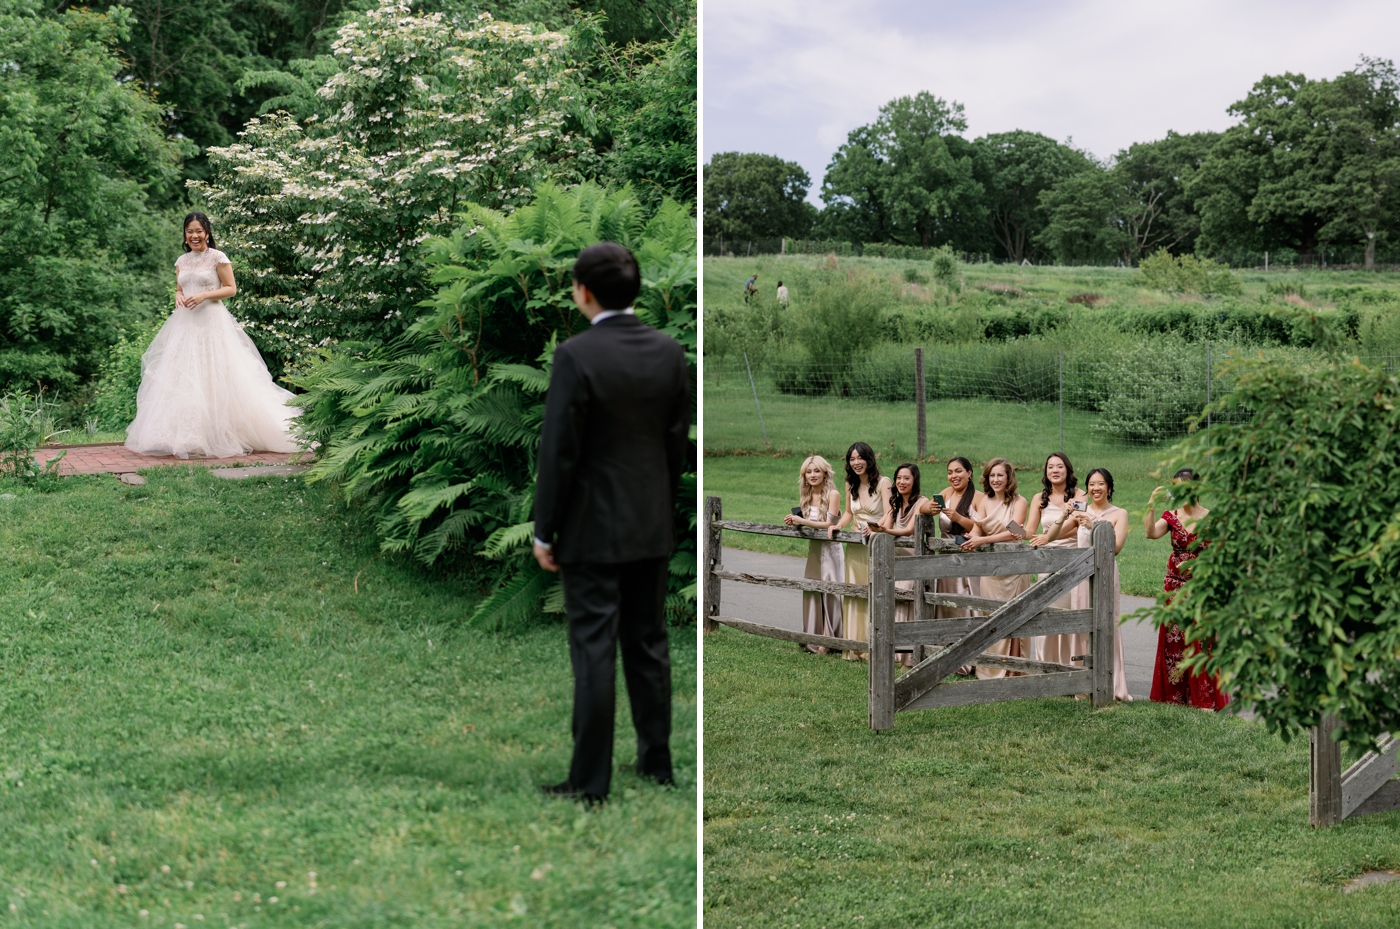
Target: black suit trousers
{"x":608,"y":604}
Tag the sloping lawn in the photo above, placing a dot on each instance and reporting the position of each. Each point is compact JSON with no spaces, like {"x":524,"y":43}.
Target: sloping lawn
{"x":221,"y":708}
{"x":1033,"y":813}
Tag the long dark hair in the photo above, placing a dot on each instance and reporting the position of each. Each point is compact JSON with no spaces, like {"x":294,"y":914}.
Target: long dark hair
{"x":1071,"y":482}
{"x":964,"y":507}
{"x":198,"y":217}
{"x":1107,"y":479}
{"x":872,"y":470}
{"x":1188,"y":493}
{"x":897,"y":498}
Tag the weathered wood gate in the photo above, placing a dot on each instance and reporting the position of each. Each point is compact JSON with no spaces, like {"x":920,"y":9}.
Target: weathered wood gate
{"x":1368,"y":786}
{"x":924,"y":686}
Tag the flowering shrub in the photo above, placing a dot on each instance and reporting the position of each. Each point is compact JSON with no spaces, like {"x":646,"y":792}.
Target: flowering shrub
{"x":323,"y":218}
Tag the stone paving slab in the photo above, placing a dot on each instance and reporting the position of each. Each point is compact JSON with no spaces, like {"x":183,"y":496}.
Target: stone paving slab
{"x":115,"y":458}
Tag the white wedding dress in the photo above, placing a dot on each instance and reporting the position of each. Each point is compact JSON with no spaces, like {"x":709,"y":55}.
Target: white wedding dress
{"x":205,"y":391}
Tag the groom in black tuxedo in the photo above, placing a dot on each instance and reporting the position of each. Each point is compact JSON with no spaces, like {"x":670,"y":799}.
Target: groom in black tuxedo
{"x":614,"y":445}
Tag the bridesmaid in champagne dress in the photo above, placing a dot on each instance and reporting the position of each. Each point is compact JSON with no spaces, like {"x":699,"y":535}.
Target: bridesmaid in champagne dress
{"x":899,"y":521}
{"x":1001,"y":507}
{"x":1170,"y":683}
{"x":1049,"y":511}
{"x":865,"y":507}
{"x":820,"y":505}
{"x":955,"y":519}
{"x":1101,"y":508}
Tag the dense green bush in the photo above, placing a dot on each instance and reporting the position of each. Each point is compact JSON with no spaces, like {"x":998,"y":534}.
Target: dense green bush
{"x":1188,"y":274}
{"x":1298,"y":587}
{"x":436,"y":432}
{"x":113,"y":403}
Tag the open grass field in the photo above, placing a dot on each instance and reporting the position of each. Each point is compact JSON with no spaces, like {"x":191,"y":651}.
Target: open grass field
{"x":222,"y":708}
{"x":1033,"y":813}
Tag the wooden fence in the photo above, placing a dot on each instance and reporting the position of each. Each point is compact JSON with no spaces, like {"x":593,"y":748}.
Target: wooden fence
{"x":925,"y":685}
{"x":1365,"y":787}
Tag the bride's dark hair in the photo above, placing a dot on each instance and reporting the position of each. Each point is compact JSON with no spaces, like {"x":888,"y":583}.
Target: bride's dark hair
{"x":198,"y":217}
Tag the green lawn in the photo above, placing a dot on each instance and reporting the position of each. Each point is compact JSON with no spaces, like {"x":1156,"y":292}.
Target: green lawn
{"x":763,"y":488}
{"x":1034,"y":813}
{"x":207,"y":723}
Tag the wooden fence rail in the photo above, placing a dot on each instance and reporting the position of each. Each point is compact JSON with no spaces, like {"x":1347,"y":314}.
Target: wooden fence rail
{"x":926,"y":685}
{"x":1368,"y":786}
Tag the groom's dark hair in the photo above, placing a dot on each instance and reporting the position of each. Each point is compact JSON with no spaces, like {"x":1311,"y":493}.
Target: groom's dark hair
{"x":610,"y":273}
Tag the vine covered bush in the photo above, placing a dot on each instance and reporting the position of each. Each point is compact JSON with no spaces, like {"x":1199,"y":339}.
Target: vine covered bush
{"x":1299,"y":587}
{"x":436,"y":431}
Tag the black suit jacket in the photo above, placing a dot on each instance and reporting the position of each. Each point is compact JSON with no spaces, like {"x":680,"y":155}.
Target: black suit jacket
{"x":614,"y":444}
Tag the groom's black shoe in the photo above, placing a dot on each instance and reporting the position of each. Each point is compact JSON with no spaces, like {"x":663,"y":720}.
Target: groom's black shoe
{"x":663,"y":780}
{"x":568,"y":791}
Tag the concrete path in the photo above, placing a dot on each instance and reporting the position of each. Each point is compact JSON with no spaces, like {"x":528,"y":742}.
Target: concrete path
{"x":776,"y":607}
{"x":115,"y":458}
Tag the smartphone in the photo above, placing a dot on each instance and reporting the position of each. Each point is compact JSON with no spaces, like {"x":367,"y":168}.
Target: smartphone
{"x":938,"y":501}
{"x":1077,"y":505}
{"x":797,"y":511}
{"x":1016,"y":529}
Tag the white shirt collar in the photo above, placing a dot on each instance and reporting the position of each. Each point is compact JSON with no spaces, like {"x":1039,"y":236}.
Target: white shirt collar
{"x":609,"y":314}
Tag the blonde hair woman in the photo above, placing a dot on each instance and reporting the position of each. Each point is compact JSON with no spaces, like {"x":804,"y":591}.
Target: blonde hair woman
{"x":1000,"y":508}
{"x":820,"y":505}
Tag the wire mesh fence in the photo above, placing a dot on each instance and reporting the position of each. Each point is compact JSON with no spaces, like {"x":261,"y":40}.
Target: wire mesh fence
{"x":1022,"y":408}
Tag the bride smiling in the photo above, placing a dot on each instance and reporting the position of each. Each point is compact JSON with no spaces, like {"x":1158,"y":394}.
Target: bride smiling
{"x":205,"y":391}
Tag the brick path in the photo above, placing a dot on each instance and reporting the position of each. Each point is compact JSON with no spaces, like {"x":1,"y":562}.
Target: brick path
{"x":115,"y":458}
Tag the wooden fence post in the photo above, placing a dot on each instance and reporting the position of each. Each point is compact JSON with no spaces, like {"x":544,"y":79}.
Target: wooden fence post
{"x":1105,"y":613}
{"x":881,"y":631}
{"x":714,"y":538}
{"x":1325,"y":783}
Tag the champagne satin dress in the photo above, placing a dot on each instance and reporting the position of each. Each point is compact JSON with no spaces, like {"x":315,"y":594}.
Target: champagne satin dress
{"x":855,"y":611}
{"x":1062,"y":648}
{"x":1007,"y":587}
{"x":821,"y":613}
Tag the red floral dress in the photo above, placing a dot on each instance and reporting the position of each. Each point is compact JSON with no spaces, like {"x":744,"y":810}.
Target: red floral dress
{"x":1171,"y":684}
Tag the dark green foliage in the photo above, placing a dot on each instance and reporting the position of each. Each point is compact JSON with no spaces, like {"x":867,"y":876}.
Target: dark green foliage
{"x":436,"y":432}
{"x":113,"y":403}
{"x":1299,"y":585}
{"x":751,"y":196}
{"x":82,"y":157}
{"x":1015,"y":168}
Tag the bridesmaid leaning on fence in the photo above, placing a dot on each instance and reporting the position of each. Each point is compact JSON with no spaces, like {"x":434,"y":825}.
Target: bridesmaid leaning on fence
{"x":1001,"y":518}
{"x":865,"y":506}
{"x":1049,"y":511}
{"x":1170,"y":683}
{"x":1101,"y":508}
{"x":820,"y":506}
{"x":955,"y":520}
{"x":905,"y":503}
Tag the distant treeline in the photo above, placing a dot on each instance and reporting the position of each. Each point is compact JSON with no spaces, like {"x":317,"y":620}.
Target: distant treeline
{"x":1311,"y":167}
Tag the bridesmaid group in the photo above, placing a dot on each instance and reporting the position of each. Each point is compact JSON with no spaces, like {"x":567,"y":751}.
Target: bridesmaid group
{"x":1060,"y":515}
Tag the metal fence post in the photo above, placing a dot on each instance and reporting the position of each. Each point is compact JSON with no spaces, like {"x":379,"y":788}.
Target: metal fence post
{"x":1062,"y":401}
{"x":1207,"y":383}
{"x":920,"y":412}
{"x":754,"y":388}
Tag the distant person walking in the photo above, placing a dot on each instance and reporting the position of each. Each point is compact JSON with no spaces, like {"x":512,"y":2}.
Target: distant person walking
{"x":750,"y":287}
{"x":612,"y":450}
{"x":782,"y":295}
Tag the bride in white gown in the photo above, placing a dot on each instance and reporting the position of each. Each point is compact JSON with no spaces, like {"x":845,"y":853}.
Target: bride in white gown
{"x":205,"y":391}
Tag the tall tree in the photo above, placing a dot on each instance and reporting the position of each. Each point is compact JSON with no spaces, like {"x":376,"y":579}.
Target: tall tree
{"x":1365,"y":193}
{"x":1015,"y":168}
{"x":1083,"y":222}
{"x":1154,"y":207}
{"x":750,"y":196}
{"x":910,"y":170}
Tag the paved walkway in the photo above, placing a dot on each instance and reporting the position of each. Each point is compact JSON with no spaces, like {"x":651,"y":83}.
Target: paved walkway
{"x":115,"y":458}
{"x":777,"y":607}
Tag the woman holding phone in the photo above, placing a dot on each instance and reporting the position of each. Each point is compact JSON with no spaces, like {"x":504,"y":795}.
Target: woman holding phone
{"x":820,"y":505}
{"x":902,"y":516}
{"x":1049,"y":512}
{"x":1000,"y":518}
{"x":953,"y":507}
{"x":1171,"y":683}
{"x":865,"y":507}
{"x":1101,"y":509}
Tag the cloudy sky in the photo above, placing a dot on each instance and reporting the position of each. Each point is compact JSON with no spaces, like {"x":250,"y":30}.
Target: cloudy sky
{"x":793,"y":77}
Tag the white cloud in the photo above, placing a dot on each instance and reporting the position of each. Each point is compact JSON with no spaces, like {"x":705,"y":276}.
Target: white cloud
{"x":793,"y":77}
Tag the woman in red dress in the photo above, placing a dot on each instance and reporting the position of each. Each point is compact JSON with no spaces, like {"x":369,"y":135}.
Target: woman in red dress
{"x":1170,"y":682}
